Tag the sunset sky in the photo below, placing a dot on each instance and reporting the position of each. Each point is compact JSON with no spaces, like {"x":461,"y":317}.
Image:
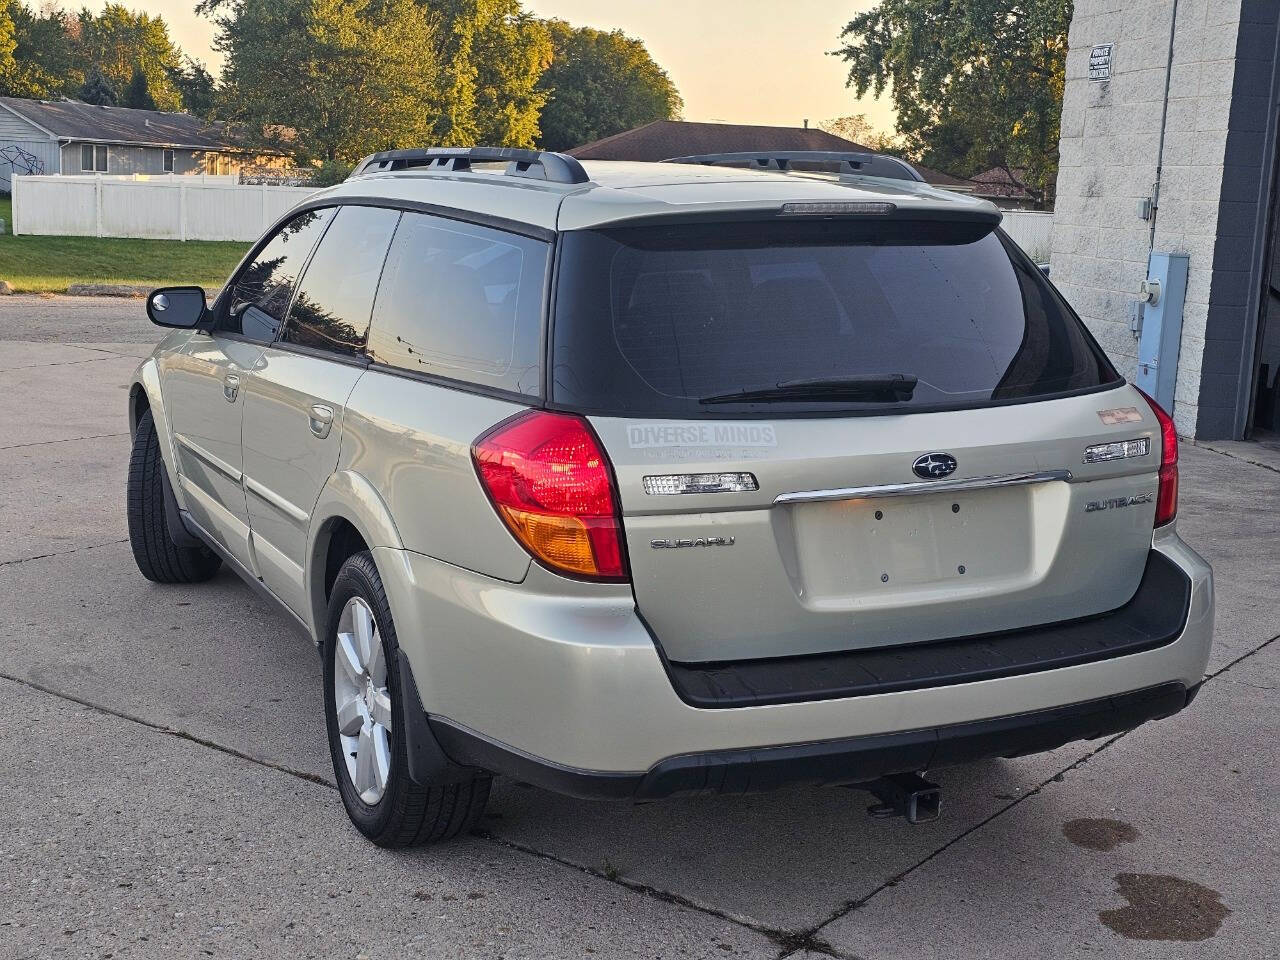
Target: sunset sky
{"x":738,"y":61}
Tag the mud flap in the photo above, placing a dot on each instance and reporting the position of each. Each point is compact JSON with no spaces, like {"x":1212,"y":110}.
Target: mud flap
{"x":179,"y":533}
{"x":427,"y":762}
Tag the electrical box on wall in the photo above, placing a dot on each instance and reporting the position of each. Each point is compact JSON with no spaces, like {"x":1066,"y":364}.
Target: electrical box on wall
{"x":1164,"y":293}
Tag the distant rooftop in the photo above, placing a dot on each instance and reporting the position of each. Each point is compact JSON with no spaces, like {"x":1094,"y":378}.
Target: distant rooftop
{"x":75,"y":120}
{"x":664,"y":139}
{"x":996,"y":182}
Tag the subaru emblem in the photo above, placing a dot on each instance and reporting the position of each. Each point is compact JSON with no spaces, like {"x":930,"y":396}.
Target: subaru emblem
{"x":934,"y":466}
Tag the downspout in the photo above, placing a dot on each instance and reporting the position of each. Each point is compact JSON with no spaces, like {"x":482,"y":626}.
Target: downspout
{"x":1164,"y":118}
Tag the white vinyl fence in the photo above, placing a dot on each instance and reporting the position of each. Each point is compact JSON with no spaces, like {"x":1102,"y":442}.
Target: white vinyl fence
{"x":164,"y":208}
{"x":218,"y":208}
{"x":1030,"y":229}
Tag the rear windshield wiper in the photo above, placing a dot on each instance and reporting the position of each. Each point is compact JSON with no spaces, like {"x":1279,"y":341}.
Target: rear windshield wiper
{"x":870,"y":388}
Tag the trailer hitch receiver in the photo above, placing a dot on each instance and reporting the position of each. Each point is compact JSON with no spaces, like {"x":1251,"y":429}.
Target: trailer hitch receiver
{"x":905,"y":795}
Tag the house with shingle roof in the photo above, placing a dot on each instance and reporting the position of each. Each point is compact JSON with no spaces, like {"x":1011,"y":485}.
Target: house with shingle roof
{"x":1006,"y":188}
{"x":664,"y":139}
{"x":71,"y":137}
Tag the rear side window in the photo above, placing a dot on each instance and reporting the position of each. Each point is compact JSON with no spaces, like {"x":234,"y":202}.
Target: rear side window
{"x":461,"y":301}
{"x":261,"y":291}
{"x":335,"y":299}
{"x":657,"y":321}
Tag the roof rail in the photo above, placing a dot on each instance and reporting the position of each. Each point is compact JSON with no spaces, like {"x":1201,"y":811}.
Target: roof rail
{"x":864,"y":164}
{"x":553,"y":167}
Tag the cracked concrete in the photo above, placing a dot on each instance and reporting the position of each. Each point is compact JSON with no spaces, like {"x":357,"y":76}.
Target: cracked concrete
{"x":173,"y":793}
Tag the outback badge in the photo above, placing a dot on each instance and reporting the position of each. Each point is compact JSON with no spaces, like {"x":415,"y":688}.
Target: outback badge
{"x":934,"y":466}
{"x":1118,"y":503}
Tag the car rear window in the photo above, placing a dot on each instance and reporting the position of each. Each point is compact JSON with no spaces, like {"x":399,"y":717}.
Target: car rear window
{"x":655,"y":320}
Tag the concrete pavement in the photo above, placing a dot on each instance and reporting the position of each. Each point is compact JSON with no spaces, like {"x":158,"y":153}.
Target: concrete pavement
{"x":172,"y":793}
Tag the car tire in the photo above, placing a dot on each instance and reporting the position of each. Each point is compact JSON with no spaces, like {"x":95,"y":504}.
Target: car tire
{"x":158,"y":557}
{"x":362,"y":711}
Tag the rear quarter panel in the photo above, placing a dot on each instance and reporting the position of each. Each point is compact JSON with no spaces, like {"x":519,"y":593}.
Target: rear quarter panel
{"x":411,"y":440}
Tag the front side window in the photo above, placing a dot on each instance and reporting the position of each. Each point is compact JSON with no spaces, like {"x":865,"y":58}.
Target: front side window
{"x":825,"y":317}
{"x":261,"y":291}
{"x":462,"y":301}
{"x":334,"y":301}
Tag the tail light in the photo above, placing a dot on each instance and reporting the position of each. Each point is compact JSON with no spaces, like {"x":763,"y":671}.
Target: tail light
{"x":552,"y":484}
{"x":1167,"y":495}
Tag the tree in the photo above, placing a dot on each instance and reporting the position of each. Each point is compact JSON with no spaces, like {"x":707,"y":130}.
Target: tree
{"x":196,"y":87}
{"x":492,"y":54}
{"x":97,"y":90}
{"x":976,"y":83}
{"x":860,"y":130}
{"x":118,"y":42}
{"x":57,"y":54}
{"x":468,"y":67}
{"x":600,"y":84}
{"x":8,"y":43}
{"x":35,"y":52}
{"x":347,"y":76}
{"x":137,"y":94}
{"x":511,"y":51}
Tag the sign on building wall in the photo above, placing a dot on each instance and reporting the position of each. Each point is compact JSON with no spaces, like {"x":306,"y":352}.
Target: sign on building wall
{"x":1100,"y":63}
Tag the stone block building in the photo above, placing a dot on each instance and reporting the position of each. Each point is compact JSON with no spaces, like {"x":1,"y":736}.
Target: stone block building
{"x":1169,"y":125}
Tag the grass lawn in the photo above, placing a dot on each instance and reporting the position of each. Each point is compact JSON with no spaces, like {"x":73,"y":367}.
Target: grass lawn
{"x":49,"y":264}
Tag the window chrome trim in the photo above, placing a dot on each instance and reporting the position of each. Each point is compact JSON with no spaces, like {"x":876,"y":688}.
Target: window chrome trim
{"x":924,"y":486}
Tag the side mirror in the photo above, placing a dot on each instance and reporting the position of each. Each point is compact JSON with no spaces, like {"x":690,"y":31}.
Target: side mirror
{"x":181,"y":307}
{"x":1044,"y":268}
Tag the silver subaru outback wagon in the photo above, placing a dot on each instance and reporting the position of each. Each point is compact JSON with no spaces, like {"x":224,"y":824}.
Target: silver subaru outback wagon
{"x":635,"y":480}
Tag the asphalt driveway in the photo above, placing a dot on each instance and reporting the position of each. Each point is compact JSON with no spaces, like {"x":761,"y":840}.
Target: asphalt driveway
{"x":168,"y":790}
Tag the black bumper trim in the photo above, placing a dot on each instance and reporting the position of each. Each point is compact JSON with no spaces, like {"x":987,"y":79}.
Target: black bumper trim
{"x":850,"y":760}
{"x":1156,"y":615}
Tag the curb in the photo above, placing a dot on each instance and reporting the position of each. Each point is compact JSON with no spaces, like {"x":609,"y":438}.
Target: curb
{"x":108,"y":290}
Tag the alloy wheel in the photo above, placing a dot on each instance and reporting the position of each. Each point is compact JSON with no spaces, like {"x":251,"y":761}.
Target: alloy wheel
{"x":362,"y":701}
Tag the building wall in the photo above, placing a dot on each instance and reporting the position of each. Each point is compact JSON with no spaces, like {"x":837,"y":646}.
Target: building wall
{"x":17,"y":132}
{"x":46,"y":151}
{"x":1110,"y":140}
{"x":126,"y":160}
{"x":14,"y":127}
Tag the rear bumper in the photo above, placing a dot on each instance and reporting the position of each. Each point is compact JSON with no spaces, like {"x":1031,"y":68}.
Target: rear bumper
{"x":1153,"y":617}
{"x":560,"y":684}
{"x":848,"y":760}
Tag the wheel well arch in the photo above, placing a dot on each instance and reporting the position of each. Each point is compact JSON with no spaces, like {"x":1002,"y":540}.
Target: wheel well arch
{"x":337,"y":539}
{"x":139,"y":403}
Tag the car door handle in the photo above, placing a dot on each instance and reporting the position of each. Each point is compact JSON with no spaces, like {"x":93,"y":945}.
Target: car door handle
{"x":321,"y":420}
{"x":230,"y":387}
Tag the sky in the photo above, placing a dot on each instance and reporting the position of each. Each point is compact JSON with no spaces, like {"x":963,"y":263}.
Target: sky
{"x":736,"y":61}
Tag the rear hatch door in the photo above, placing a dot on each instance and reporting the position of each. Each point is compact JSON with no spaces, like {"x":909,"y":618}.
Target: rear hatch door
{"x":841,"y":435}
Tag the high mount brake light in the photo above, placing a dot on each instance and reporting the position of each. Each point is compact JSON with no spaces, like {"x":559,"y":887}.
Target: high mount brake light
{"x":552,"y":484}
{"x":837,"y":208}
{"x":1167,"y":494}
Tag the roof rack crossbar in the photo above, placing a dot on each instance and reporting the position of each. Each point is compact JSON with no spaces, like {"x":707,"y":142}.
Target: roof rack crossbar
{"x":536,"y":164}
{"x":863,"y":164}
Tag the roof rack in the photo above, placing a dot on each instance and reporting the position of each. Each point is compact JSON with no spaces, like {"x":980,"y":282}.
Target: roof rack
{"x":553,"y":167}
{"x":863,"y":164}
